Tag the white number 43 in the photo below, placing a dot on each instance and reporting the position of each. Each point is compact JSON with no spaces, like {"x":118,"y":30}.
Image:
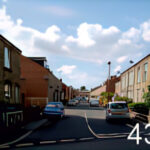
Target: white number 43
{"x":136,"y":136}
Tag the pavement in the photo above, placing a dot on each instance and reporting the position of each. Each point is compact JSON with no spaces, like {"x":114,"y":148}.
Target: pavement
{"x":83,"y":127}
{"x":13,"y":136}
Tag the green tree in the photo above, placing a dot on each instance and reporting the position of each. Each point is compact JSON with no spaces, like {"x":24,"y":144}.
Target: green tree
{"x":106,"y":94}
{"x":82,"y":88}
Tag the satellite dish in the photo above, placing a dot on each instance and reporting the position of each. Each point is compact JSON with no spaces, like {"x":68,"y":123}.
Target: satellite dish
{"x":131,"y":62}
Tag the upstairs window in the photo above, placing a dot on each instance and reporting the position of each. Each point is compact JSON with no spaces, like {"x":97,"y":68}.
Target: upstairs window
{"x":131,"y":78}
{"x":145,"y":69}
{"x":7,"y":90}
{"x":138,"y":75}
{"x":6,"y":58}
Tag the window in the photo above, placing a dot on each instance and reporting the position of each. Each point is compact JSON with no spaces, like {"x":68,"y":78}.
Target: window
{"x":119,"y":106}
{"x":130,"y":94}
{"x":7,"y":90}
{"x":123,"y":82}
{"x":131,"y":78}
{"x":145,"y":69}
{"x":17,"y":94}
{"x":138,"y":75}
{"x":6,"y":58}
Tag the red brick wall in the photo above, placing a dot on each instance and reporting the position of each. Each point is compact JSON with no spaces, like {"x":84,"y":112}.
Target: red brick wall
{"x":33,"y":81}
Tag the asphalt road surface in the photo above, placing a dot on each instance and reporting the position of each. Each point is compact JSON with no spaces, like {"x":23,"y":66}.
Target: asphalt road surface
{"x":83,"y":127}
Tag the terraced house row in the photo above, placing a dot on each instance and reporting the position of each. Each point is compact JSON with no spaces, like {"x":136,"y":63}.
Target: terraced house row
{"x":135,"y":80}
{"x":25,"y":81}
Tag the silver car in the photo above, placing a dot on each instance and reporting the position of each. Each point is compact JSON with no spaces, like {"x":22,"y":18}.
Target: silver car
{"x":94,"y":103}
{"x":72,"y":102}
{"x":117,"y":110}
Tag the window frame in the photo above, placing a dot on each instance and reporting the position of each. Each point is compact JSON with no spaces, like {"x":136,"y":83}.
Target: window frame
{"x":139,"y":74}
{"x":9,"y":90}
{"x":9,"y":58}
{"x":145,"y":72}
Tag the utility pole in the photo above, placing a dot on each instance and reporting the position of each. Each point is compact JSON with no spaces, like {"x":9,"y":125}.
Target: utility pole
{"x":108,"y":80}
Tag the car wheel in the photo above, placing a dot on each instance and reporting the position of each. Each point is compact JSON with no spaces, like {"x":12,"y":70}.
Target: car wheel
{"x":107,"y":119}
{"x":61,"y":116}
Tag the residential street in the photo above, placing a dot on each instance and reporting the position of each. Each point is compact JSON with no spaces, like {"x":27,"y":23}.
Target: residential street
{"x":83,"y":127}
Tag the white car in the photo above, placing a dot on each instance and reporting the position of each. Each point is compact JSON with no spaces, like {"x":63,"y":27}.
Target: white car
{"x":117,"y":110}
{"x":72,"y":102}
{"x":94,"y":103}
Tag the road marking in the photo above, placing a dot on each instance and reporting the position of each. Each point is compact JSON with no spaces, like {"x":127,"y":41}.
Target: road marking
{"x":5,"y":146}
{"x":17,"y":140}
{"x":104,"y":136}
{"x":89,"y":138}
{"x":129,"y":125}
{"x":24,"y":144}
{"x":68,"y":140}
{"x":90,"y":127}
{"x":113,"y":134}
{"x":47,"y":142}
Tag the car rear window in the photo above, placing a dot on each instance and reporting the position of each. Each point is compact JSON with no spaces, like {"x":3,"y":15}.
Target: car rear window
{"x":119,"y":106}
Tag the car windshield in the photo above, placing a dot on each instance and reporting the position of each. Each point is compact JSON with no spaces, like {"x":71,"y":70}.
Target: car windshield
{"x":118,"y":106}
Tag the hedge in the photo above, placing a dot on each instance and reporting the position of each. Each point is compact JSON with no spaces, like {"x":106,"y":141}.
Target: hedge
{"x":139,"y":107}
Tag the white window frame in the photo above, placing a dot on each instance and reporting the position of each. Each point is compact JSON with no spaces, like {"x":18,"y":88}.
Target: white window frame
{"x":145,"y":71}
{"x":138,"y":75}
{"x":6,"y":58}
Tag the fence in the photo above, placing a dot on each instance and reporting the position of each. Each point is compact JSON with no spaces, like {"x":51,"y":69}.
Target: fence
{"x":139,"y":116}
{"x":12,"y":118}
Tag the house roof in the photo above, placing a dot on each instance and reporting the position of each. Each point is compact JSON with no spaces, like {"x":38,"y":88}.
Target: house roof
{"x":136,"y":63}
{"x":96,"y":88}
{"x":5,"y":40}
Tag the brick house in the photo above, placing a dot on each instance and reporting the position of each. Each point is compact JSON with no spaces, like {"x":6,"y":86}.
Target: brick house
{"x":96,"y":92}
{"x":10,"y":72}
{"x":108,"y":86}
{"x":38,"y":84}
{"x":135,"y":80}
{"x":9,"y":82}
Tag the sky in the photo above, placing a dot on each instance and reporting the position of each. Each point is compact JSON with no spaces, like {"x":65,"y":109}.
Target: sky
{"x":79,"y":37}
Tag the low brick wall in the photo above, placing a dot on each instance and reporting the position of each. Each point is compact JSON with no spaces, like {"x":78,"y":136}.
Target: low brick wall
{"x":139,"y":116}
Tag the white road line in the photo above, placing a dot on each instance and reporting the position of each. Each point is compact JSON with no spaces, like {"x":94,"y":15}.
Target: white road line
{"x":113,"y":134}
{"x":129,"y":125}
{"x":104,"y":136}
{"x":89,"y":138}
{"x":47,"y":142}
{"x":112,"y":137}
{"x":24,"y":144}
{"x":90,"y":127}
{"x":5,"y":146}
{"x":17,"y":140}
{"x":68,"y":140}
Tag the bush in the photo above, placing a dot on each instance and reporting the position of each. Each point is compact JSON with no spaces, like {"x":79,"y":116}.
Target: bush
{"x":128,"y":100}
{"x":139,"y":107}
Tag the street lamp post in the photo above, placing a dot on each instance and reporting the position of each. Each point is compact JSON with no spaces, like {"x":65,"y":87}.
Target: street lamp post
{"x":108,"y":88}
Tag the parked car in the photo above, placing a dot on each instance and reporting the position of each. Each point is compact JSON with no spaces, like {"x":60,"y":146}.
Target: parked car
{"x":94,"y":103}
{"x":77,"y":100}
{"x":72,"y":102}
{"x":55,"y":109}
{"x":116,"y":110}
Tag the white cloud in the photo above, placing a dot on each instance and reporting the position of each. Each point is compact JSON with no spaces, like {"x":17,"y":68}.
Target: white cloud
{"x":65,"y":69}
{"x":65,"y":48}
{"x":146,"y":31}
{"x":72,"y":74}
{"x":92,"y":42}
{"x":4,"y":1}
{"x":58,"y":11}
{"x":121,"y":59}
{"x":118,"y":68}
